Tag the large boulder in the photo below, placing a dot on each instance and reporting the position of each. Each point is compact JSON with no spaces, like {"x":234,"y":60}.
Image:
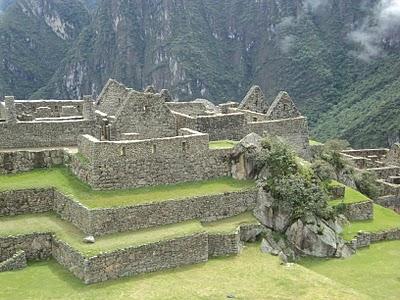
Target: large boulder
{"x":315,"y":237}
{"x":243,"y":166}
{"x":270,"y":215}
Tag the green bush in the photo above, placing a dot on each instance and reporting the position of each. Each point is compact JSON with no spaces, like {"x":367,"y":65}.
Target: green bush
{"x":292,"y":183}
{"x":367,"y":185}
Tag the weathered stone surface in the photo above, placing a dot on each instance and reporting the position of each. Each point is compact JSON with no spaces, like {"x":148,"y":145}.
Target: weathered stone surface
{"x":17,"y":202}
{"x":254,"y":100}
{"x":243,"y":166}
{"x":16,"y":262}
{"x":314,"y":237}
{"x":282,"y":108}
{"x":270,"y":216}
{"x":360,"y":211}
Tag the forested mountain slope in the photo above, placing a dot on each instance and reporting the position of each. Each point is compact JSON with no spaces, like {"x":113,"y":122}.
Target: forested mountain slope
{"x":337,"y":58}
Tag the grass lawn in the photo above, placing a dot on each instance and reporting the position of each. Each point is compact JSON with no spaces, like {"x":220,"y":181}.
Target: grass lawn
{"x":224,"y":144}
{"x":350,"y":196}
{"x":384,"y":218}
{"x":66,"y":182}
{"x":314,"y":143}
{"x":250,"y":275}
{"x":374,"y":271}
{"x":65,"y":231}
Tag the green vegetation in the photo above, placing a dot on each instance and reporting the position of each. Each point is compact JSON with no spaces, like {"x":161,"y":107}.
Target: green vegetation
{"x":373,"y":271}
{"x":67,"y":183}
{"x":384,"y":219}
{"x":65,"y":231}
{"x":224,"y":144}
{"x":292,"y":182}
{"x":250,"y":275}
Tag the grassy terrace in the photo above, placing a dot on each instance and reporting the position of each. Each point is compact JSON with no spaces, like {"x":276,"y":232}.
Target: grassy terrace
{"x":373,"y":271}
{"x":351,"y":196}
{"x":224,"y":144}
{"x":66,"y":182}
{"x":65,"y":231}
{"x":383,"y":219}
{"x":250,"y":275}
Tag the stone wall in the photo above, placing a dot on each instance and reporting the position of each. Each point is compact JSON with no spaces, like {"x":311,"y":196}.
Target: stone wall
{"x":22,"y":161}
{"x":130,"y":164}
{"x":379,"y":153}
{"x":43,"y":134}
{"x":69,"y":258}
{"x":147,"y":258}
{"x":188,"y":108}
{"x":19,"y":202}
{"x":364,"y":239}
{"x":205,"y":208}
{"x":72,"y":211}
{"x":37,"y":246}
{"x":292,"y":131}
{"x":29,"y":107}
{"x":108,"y":220}
{"x":144,"y":113}
{"x":391,"y":201}
{"x":224,"y":244}
{"x":360,"y":211}
{"x":16,"y":262}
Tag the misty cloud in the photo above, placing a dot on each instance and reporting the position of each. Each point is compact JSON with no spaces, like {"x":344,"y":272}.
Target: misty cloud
{"x":378,"y":30}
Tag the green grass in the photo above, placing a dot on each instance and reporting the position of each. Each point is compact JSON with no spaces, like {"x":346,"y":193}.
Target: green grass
{"x":250,"y":275}
{"x":315,"y":143}
{"x":224,"y":144}
{"x":67,"y":183}
{"x":226,"y":225}
{"x":49,"y":222}
{"x":350,"y":196}
{"x":384,"y":219}
{"x":373,"y":271}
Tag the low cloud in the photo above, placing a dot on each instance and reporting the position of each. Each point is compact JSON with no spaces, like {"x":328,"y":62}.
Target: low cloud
{"x":380,"y":29}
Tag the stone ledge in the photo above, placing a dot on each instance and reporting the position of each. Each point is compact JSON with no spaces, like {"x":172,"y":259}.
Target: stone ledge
{"x":360,"y":211}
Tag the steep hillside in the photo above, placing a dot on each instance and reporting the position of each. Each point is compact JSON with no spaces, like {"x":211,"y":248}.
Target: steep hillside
{"x":35,"y":35}
{"x":332,"y":56}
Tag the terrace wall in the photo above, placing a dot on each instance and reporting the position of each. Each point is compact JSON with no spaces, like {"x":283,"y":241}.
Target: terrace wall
{"x":16,"y":262}
{"x":364,"y":239}
{"x":224,"y":244}
{"x":19,"y":202}
{"x":360,"y":211}
{"x":108,"y":220}
{"x":22,"y":161}
{"x":391,"y":201}
{"x":37,"y":246}
{"x":43,"y":134}
{"x":147,"y":258}
{"x":205,"y":208}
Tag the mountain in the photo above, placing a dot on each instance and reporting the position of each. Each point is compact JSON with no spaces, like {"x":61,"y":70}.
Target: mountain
{"x":34,"y":38}
{"x":337,"y":58}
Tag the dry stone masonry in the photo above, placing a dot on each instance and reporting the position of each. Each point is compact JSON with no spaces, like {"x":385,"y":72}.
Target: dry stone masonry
{"x":129,"y":139}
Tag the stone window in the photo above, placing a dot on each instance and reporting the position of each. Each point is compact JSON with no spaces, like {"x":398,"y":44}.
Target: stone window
{"x":154,"y":148}
{"x":255,"y":119}
{"x":184,"y":146}
{"x":123,"y":151}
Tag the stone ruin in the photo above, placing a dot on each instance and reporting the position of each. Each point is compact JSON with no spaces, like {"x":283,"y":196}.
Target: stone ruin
{"x":130,"y":139}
